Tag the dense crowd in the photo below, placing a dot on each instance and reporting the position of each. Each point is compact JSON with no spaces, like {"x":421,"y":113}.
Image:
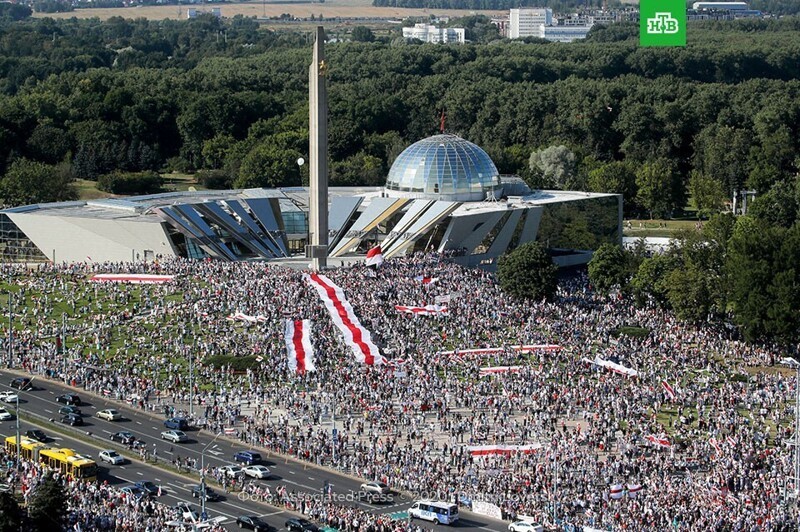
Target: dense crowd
{"x":724,"y":466}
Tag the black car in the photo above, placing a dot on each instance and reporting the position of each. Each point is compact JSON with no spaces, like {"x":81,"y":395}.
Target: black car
{"x":72,"y":419}
{"x":37,"y":435}
{"x":126,"y":438}
{"x":300,"y":525}
{"x":69,"y":409}
{"x":148,"y":487}
{"x":211,"y":495}
{"x":251,"y":522}
{"x":21,"y":383}
{"x":69,"y":399}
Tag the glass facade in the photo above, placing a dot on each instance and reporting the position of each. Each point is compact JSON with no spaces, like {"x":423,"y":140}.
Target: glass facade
{"x":444,"y":167}
{"x":15,"y":246}
{"x":580,"y":225}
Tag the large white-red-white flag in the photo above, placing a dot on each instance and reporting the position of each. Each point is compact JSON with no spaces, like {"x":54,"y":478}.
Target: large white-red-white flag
{"x":504,"y":450}
{"x":616,"y":491}
{"x":355,"y":335}
{"x":659,"y":441}
{"x":298,"y":346}
{"x":427,"y":310}
{"x":495,"y":370}
{"x":669,"y":389}
{"x":374,"y":257}
{"x":424,"y":279}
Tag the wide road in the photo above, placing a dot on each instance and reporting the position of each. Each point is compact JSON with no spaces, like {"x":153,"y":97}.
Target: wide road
{"x":147,"y":427}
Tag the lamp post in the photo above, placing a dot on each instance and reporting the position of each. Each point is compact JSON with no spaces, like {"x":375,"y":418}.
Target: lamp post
{"x":203,"y":476}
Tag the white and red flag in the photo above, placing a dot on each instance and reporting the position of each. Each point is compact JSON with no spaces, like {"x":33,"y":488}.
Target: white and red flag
{"x":615,"y":491}
{"x":669,"y":389}
{"x":298,"y":346}
{"x":230,"y":431}
{"x":634,"y":490}
{"x":133,"y":278}
{"x":495,"y":370}
{"x":355,"y":335}
{"x":730,"y":440}
{"x":715,"y":444}
{"x":503,"y":450}
{"x":427,"y":310}
{"x":374,"y":257}
{"x":659,"y":441}
{"x":430,"y":281}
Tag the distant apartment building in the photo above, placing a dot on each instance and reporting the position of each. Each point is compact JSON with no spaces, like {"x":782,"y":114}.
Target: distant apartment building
{"x":721,"y":11}
{"x":432,"y":34}
{"x":563,"y":33}
{"x":525,"y":22}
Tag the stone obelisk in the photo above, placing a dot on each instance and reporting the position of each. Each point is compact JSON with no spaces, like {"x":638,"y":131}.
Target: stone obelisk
{"x":318,"y":155}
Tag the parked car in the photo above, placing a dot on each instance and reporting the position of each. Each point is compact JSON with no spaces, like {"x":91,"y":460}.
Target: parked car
{"x":176,"y":423}
{"x":37,"y":435}
{"x":5,"y":415}
{"x":211,"y":495}
{"x":375,"y":487}
{"x":251,"y":522}
{"x":110,"y":414}
{"x":64,"y":410}
{"x":9,"y":397}
{"x":175,"y":436}
{"x":21,"y":383}
{"x":247,"y":458}
{"x":68,"y":399}
{"x":525,"y":526}
{"x":112,"y":457}
{"x":126,"y":438}
{"x":257,"y":471}
{"x":134,"y":491}
{"x":148,"y":486}
{"x":232,"y":471}
{"x":187,"y":512}
{"x":300,"y":525}
{"x":72,"y":419}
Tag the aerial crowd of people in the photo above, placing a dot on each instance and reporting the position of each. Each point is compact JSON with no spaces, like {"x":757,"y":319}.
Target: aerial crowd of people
{"x":694,"y":434}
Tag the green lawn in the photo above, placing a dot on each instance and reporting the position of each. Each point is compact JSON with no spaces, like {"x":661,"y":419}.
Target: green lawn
{"x":174,"y":182}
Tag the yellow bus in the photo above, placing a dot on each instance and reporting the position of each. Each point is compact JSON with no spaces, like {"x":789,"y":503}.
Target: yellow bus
{"x":64,"y":460}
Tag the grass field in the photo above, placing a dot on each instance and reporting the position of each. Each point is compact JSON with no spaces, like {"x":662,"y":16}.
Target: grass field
{"x":656,"y":228}
{"x":345,"y":9}
{"x":87,"y":190}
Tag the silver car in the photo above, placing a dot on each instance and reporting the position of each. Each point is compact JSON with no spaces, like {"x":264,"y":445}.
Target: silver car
{"x":112,"y":457}
{"x":175,"y":436}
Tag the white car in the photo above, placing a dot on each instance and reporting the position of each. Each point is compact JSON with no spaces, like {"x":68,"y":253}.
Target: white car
{"x":9,"y":397}
{"x":257,"y":471}
{"x":112,"y":457}
{"x":109,"y":414}
{"x":232,"y":471}
{"x":525,"y":526}
{"x":175,"y":436}
{"x":5,"y":415}
{"x":375,"y":488}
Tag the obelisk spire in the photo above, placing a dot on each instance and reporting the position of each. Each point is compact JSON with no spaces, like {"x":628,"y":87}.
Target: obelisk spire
{"x":318,"y":155}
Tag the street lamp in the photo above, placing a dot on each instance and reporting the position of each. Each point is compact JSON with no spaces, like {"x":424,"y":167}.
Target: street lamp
{"x":203,"y":475}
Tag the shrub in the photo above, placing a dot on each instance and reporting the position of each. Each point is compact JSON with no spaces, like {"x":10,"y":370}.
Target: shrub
{"x":130,"y":182}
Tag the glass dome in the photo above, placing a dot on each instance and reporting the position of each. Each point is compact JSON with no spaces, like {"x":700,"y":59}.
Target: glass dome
{"x":444,"y":167}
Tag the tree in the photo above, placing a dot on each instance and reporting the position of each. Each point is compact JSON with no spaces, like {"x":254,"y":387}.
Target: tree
{"x":362,"y":34}
{"x":778,"y":206}
{"x":29,"y":182}
{"x":47,"y":509}
{"x":616,"y":177}
{"x":690,"y":291}
{"x":655,"y":183}
{"x":556,"y":164}
{"x":269,"y":165}
{"x":528,"y":272}
{"x":608,"y":268}
{"x":10,"y":513}
{"x":650,"y":282}
{"x":130,"y":182}
{"x":707,"y":193}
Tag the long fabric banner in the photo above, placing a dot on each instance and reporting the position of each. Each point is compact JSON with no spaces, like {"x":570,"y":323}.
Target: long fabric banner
{"x":494,"y":350}
{"x":133,"y":278}
{"x":504,"y":450}
{"x":494,"y":370}
{"x":427,"y":310}
{"x":613,"y":366}
{"x":298,"y":346}
{"x":658,"y":442}
{"x":355,"y":335}
{"x":241,"y":316}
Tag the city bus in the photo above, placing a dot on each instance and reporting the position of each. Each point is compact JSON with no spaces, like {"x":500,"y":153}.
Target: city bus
{"x":29,"y":449}
{"x":437,"y":511}
{"x":63,"y":460}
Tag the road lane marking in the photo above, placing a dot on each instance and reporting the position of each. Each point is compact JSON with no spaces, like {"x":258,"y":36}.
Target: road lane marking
{"x":140,"y":473}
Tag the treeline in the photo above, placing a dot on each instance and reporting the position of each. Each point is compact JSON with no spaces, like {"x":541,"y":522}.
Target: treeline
{"x":94,"y":98}
{"x":555,"y":5}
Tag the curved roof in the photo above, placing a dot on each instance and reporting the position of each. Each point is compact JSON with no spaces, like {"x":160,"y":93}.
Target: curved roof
{"x":444,"y":167}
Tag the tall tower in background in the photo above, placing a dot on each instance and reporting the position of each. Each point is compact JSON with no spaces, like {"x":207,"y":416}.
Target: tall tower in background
{"x":317,"y":249}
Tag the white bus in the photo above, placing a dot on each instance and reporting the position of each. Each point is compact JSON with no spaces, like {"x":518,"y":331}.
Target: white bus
{"x":437,"y":511}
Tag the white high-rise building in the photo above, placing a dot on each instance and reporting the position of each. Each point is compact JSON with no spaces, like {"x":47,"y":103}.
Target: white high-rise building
{"x":525,"y":22}
{"x":426,"y":33}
